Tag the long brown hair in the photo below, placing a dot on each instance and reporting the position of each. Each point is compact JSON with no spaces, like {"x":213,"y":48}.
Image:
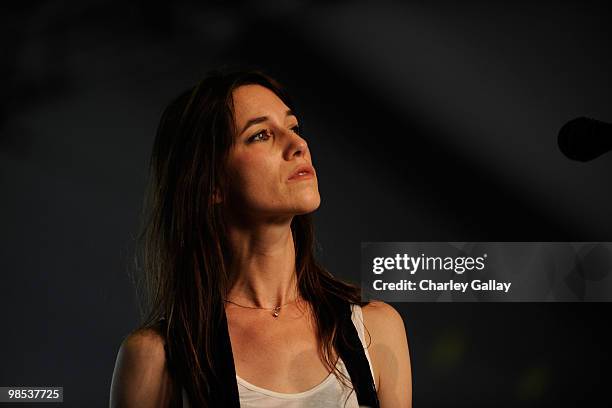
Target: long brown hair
{"x":183,"y":253}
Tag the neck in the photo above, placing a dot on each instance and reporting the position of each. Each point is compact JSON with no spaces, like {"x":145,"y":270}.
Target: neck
{"x":262,"y":268}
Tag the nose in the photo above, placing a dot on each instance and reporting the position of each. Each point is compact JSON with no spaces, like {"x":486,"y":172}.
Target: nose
{"x":297,"y":146}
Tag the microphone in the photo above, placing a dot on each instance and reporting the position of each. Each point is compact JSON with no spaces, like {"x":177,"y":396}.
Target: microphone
{"x":583,"y":139}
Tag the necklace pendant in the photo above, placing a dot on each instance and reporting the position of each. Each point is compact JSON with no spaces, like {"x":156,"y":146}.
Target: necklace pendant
{"x":276,"y":310}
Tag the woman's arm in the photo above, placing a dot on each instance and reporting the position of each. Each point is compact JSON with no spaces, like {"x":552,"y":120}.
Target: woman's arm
{"x":389,"y":354}
{"x":140,"y":378}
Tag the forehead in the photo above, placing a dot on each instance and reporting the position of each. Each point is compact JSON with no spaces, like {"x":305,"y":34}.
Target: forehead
{"x":255,"y":100}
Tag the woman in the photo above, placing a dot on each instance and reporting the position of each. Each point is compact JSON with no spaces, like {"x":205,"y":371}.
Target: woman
{"x":238,"y":309}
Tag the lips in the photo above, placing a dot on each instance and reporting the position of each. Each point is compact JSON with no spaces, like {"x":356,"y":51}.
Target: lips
{"x":304,"y":170}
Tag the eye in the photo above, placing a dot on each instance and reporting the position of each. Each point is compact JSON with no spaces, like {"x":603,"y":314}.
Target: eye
{"x":259,"y":136}
{"x":296,"y":129}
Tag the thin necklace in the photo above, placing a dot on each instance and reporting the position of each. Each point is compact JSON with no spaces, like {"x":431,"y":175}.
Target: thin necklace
{"x":275,"y":310}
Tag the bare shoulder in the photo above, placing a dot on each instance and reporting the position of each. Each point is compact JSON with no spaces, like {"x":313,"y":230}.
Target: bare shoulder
{"x":389,"y":354}
{"x":379,"y":313}
{"x":384,"y":324}
{"x":144,"y":344}
{"x":141,"y":377}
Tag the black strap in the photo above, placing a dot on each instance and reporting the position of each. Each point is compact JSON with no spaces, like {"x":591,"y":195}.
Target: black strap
{"x":223,"y":389}
{"x":356,"y":362}
{"x":226,"y":395}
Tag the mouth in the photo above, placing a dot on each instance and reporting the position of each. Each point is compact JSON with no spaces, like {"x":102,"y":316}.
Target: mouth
{"x":304,"y":171}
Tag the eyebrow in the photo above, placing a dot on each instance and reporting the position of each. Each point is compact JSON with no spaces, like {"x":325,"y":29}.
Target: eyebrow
{"x":260,"y":119}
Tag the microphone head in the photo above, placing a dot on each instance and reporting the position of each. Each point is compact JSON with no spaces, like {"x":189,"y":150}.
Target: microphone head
{"x":583,"y":139}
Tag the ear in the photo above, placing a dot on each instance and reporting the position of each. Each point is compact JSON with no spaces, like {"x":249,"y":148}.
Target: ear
{"x":217,"y":196}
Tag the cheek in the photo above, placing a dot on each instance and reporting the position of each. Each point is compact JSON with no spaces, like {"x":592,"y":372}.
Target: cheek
{"x":252,"y":176}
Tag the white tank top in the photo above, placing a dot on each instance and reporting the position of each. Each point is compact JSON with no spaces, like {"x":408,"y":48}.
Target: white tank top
{"x":327,"y":394}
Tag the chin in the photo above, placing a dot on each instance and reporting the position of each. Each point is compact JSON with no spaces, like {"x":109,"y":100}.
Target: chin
{"x":308,"y":204}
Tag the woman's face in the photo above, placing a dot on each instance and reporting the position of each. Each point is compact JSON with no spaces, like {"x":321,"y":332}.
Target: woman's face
{"x":267,"y":152}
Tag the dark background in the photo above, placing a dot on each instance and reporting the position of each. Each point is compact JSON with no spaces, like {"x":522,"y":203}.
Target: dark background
{"x":427,"y":122}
